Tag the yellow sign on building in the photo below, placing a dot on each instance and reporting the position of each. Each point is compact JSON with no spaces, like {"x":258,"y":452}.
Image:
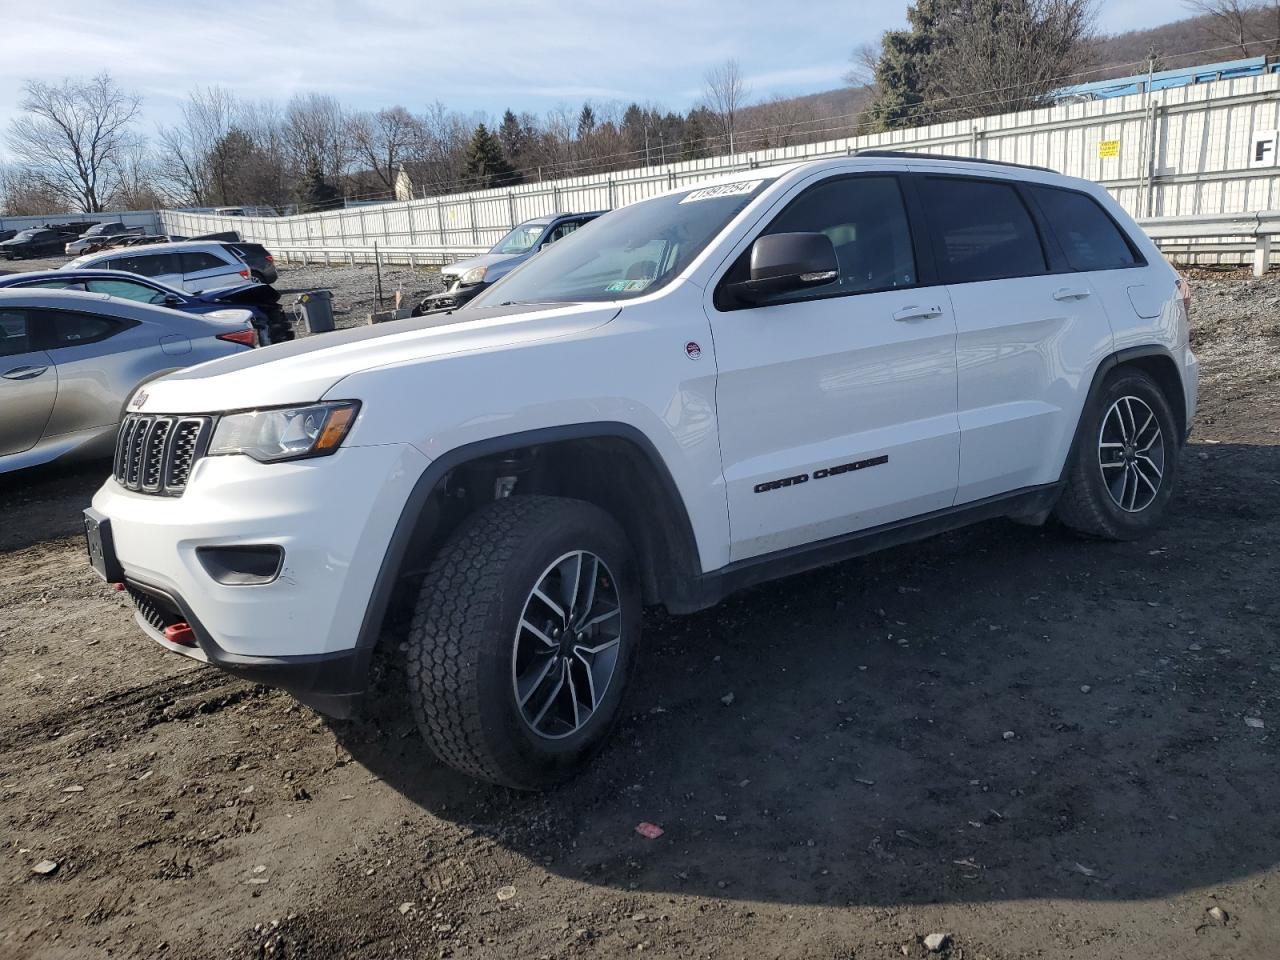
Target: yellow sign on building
{"x":1108,"y":148}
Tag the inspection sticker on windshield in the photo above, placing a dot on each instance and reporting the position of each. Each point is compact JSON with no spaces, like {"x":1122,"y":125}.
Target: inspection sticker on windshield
{"x":722,"y":190}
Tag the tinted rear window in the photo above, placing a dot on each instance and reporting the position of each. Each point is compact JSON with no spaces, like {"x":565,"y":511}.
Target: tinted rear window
{"x":1089,"y":237}
{"x":981,"y":230}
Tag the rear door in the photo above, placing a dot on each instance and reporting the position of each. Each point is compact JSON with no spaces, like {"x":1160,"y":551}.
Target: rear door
{"x":1025,"y":331}
{"x":28,"y":383}
{"x":1135,"y":294}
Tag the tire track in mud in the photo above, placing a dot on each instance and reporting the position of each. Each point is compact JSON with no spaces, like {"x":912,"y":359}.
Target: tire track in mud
{"x":134,"y":709}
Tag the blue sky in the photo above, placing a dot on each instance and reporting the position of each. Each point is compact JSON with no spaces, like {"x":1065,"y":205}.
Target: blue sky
{"x":528,"y":54}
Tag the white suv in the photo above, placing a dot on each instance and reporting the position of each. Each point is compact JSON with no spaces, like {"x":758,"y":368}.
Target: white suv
{"x":690,"y":395}
{"x":193,"y":266}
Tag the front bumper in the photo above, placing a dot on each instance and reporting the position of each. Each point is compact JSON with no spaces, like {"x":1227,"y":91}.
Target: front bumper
{"x":451,"y":298}
{"x":332,"y":516}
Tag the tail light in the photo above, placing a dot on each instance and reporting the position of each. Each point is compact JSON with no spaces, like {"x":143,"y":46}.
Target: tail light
{"x":247,"y":336}
{"x":270,"y":258}
{"x":245,"y":273}
{"x":1184,"y":293}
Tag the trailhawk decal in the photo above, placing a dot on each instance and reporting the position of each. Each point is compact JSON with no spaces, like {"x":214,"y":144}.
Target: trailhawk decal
{"x":723,"y":190}
{"x":822,"y":473}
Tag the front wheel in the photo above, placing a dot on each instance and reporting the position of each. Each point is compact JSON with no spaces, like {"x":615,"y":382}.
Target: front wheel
{"x":1124,"y":462}
{"x":522,"y":640}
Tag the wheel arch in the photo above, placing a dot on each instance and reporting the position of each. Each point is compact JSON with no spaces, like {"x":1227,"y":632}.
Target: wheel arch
{"x":611,"y":464}
{"x":1157,"y":362}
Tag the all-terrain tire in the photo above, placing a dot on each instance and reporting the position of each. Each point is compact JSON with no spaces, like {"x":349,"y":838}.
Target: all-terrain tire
{"x":461,"y":645}
{"x":1087,"y":505}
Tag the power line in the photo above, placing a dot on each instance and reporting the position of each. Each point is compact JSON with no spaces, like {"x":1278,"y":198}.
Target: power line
{"x":841,"y":123}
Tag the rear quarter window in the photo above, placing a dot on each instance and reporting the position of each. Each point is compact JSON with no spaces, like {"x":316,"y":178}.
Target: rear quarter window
{"x":195,"y":262}
{"x":1089,"y":238}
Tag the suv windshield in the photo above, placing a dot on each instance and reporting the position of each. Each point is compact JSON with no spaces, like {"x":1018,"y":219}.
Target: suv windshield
{"x":631,"y":251}
{"x":521,"y":239}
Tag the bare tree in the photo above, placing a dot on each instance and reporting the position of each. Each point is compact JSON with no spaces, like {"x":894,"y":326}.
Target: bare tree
{"x":315,"y":132}
{"x":1242,"y":23}
{"x":726,"y":92}
{"x":383,"y":140}
{"x":22,"y":195}
{"x":189,"y":151}
{"x":138,"y":185}
{"x":863,"y":63}
{"x":71,"y":134}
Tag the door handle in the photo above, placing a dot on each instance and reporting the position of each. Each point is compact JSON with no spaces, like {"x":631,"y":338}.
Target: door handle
{"x":1071,"y":293}
{"x":918,"y":313}
{"x":23,"y":373}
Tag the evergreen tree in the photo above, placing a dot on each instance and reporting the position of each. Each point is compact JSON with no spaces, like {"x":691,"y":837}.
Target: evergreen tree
{"x":514,"y":137}
{"x":586,"y":122}
{"x":485,"y":164}
{"x":316,"y":193}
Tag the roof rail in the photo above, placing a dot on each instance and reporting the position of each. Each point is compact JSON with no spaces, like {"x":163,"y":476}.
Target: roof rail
{"x":911,"y":155}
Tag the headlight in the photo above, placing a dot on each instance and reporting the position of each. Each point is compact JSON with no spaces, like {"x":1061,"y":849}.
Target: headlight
{"x":285,"y":433}
{"x":473,"y":276}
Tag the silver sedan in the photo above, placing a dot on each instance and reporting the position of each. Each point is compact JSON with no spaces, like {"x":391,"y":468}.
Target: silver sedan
{"x":69,"y":361}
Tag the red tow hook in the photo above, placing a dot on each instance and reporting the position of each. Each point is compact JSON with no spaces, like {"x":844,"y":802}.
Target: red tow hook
{"x":181,"y":634}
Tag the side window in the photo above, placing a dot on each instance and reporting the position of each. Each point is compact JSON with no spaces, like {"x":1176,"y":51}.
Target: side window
{"x":126,"y":290}
{"x":66,"y":329}
{"x":15,"y":333}
{"x":195,"y":262}
{"x":981,"y":230}
{"x":147,"y":265}
{"x":866,"y":219}
{"x":562,"y":230}
{"x":56,"y":285}
{"x":1090,"y":239}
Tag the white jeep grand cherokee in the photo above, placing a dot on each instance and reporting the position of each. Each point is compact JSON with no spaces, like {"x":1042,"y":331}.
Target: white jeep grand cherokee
{"x":693,"y":394}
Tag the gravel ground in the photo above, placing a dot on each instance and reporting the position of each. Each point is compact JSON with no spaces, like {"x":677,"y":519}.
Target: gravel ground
{"x":1033,"y":745}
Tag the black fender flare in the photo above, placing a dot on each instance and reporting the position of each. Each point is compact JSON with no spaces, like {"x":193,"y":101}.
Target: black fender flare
{"x":1105,"y":366}
{"x":388,"y":575}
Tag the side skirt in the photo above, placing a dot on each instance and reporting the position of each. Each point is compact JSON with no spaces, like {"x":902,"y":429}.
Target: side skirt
{"x":708,"y":589}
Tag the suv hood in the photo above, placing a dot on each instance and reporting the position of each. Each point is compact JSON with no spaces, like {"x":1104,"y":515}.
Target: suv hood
{"x":301,"y":371}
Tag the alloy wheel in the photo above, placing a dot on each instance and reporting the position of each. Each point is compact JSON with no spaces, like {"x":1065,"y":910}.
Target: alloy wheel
{"x":566,"y":645}
{"x":1131,"y":454}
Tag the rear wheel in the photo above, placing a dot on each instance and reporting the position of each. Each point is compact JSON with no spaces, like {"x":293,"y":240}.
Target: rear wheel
{"x":1125,"y":460}
{"x":522,"y":640}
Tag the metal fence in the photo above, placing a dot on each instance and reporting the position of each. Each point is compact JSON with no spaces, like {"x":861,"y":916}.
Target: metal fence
{"x":1181,"y":152}
{"x":150,"y":220}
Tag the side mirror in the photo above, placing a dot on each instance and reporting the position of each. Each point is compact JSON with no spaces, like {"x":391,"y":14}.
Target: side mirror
{"x":783,"y":262}
{"x":171,"y":301}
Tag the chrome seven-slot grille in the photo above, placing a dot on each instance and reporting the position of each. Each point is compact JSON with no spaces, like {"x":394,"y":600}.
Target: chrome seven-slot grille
{"x":154,"y":454}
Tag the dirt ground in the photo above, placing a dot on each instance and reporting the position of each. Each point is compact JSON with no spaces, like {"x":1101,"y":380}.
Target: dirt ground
{"x":1038,"y":746}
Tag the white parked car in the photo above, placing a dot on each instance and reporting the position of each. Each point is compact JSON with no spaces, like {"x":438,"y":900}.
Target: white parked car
{"x":193,"y":266}
{"x":735,"y":381}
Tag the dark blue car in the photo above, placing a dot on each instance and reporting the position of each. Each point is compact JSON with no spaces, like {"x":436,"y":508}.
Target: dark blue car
{"x":262,"y":301}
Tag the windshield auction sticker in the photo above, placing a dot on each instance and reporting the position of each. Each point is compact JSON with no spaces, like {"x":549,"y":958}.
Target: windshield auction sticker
{"x":722,"y":190}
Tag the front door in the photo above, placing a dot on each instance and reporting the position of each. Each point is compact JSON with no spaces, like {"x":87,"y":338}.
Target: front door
{"x":837,"y":406}
{"x":28,"y":384}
